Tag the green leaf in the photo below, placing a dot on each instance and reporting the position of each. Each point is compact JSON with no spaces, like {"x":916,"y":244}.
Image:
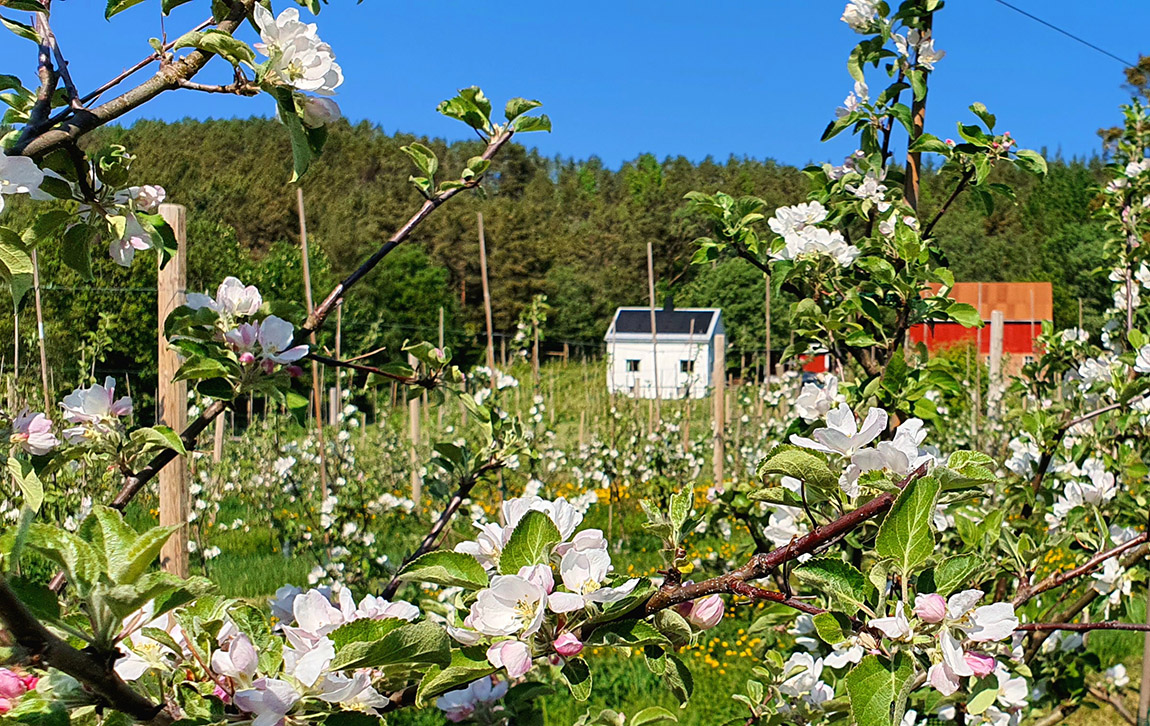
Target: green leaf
{"x":24,"y":31}
{"x":424,"y":158}
{"x":30,"y":485}
{"x":167,"y":6}
{"x":421,"y":643}
{"x":364,"y":629}
{"x":577,"y":676}
{"x":527,"y":124}
{"x":159,"y":437}
{"x":1030,"y":161}
{"x":464,"y":108}
{"x":839,"y":579}
{"x":301,"y":147}
{"x":79,"y":560}
{"x":905,"y":536}
{"x":530,"y":543}
{"x":141,"y":554}
{"x":929,"y":143}
{"x":806,"y":466}
{"x":832,"y":628}
{"x":116,"y":6}
{"x":979,"y":109}
{"x":516,"y":107}
{"x":467,"y":665}
{"x":877,"y":689}
{"x":917,"y":80}
{"x":628,"y":633}
{"x":964,"y":314}
{"x":652,"y":716}
{"x":225,"y":45}
{"x":41,"y":601}
{"x":76,"y":249}
{"x":955,"y":572}
{"x":450,"y":569}
{"x":15,"y":264}
{"x":983,"y":698}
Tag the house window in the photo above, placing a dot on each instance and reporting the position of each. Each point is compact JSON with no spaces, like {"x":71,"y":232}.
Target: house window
{"x":686,"y":366}
{"x":632,"y":365}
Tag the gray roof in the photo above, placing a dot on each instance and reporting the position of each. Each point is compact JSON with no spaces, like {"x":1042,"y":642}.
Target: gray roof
{"x":671,"y":322}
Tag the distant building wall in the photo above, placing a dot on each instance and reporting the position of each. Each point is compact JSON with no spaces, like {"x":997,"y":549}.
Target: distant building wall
{"x":674,"y":382}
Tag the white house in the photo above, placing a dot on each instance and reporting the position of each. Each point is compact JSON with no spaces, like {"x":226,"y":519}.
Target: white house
{"x":680,"y":357}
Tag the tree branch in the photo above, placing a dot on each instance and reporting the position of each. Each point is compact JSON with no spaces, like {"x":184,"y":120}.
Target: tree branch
{"x":761,"y":565}
{"x":43,"y":646}
{"x":316,"y":318}
{"x":1060,"y":578}
{"x":1082,"y":627}
{"x":1115,"y":702}
{"x":962,"y":182}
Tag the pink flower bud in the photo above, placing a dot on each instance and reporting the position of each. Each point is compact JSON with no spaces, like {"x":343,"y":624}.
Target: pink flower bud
{"x":247,"y":358}
{"x":5,"y":706}
{"x":930,"y":608}
{"x":950,"y":142}
{"x":294,"y":371}
{"x":319,"y":112}
{"x":706,"y":613}
{"x":268,"y":365}
{"x":11,"y":685}
{"x":221,"y":694}
{"x":981,"y":663}
{"x":568,"y":645}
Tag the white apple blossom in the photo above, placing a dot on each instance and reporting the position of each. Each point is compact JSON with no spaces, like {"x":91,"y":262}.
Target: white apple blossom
{"x":870,"y":189}
{"x":460,"y":704}
{"x":790,"y":220}
{"x":583,"y":573}
{"x":95,"y":409}
{"x":1142,"y":361}
{"x":895,"y":627}
{"x":19,"y":175}
{"x":32,"y":432}
{"x":860,"y":15}
{"x":296,"y":55}
{"x":513,"y":655}
{"x":842,"y":434}
{"x":238,"y":662}
{"x":814,"y":401}
{"x":784,"y":524}
{"x":233,"y":299}
{"x":148,"y":197}
{"x":134,"y":239}
{"x":269,"y":700}
{"x":1116,"y":675}
{"x":512,"y":605}
{"x":319,"y":112}
{"x":352,"y":692}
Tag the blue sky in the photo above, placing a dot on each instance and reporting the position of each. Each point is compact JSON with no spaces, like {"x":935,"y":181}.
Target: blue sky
{"x":755,"y":78}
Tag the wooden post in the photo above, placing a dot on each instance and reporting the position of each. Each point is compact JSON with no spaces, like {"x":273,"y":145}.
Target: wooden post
{"x":997,"y":328}
{"x":439,"y":409}
{"x":338,"y":349}
{"x":654,"y":333}
{"x":582,"y":425}
{"x":486,"y":299}
{"x":535,"y":353}
{"x":40,"y":332}
{"x":767,"y":308}
{"x":316,"y":390}
{"x":333,"y":405}
{"x":172,"y":397}
{"x":218,"y":440}
{"x":719,"y":396}
{"x":918,"y":120}
{"x":413,"y":431}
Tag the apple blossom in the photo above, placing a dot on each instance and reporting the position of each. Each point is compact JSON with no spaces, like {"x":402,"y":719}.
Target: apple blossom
{"x":319,"y":112}
{"x":134,"y":238}
{"x":860,"y":15}
{"x":459,"y":704}
{"x":842,"y":434}
{"x":148,"y":197}
{"x":1142,"y":361}
{"x":1117,"y":676}
{"x":19,"y":175}
{"x":930,"y":608}
{"x":980,"y":664}
{"x":95,"y":408}
{"x":32,"y":432}
{"x":706,"y":612}
{"x":297,"y":57}
{"x":514,"y":655}
{"x":269,"y":700}
{"x":354,"y":692}
{"x":791,"y":220}
{"x":895,"y":627}
{"x":1012,"y":692}
{"x":512,"y":605}
{"x":583,"y":573}
{"x":233,"y":299}
{"x":306,"y":661}
{"x":815,"y":401}
{"x":568,"y":645}
{"x":238,"y":662}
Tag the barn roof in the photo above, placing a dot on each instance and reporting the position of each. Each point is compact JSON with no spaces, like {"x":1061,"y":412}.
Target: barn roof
{"x":1018,"y":301}
{"x":668,"y":321}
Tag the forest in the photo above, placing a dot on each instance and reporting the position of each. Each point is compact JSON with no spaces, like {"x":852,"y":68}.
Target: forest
{"x":574,"y":230}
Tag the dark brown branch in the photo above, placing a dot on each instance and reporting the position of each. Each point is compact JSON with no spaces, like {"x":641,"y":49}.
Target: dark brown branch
{"x":337,"y":363}
{"x":316,"y":318}
{"x":47,"y":75}
{"x":45,"y":648}
{"x":169,"y":77}
{"x":958,"y":188}
{"x":761,"y":565}
{"x":758,"y":593}
{"x":239,"y":88}
{"x":1061,"y":578}
{"x":432,"y":540}
{"x":1082,"y":627}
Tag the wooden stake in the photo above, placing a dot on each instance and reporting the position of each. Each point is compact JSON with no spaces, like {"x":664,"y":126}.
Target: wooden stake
{"x":918,"y":120}
{"x":413,"y":419}
{"x":338,"y":349}
{"x":997,"y":328}
{"x":172,"y":397}
{"x":719,"y":400}
{"x":218,"y":440}
{"x":486,"y":300}
{"x":767,"y":308}
{"x":439,"y":409}
{"x":316,"y":389}
{"x":654,"y":333}
{"x":40,"y":333}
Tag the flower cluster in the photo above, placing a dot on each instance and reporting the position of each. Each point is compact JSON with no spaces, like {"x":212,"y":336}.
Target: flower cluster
{"x":797,"y":226}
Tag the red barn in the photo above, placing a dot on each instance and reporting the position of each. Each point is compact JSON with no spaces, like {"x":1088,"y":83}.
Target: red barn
{"x":1024,"y":306}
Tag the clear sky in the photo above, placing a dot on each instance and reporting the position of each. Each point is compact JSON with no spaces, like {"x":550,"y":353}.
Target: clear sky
{"x":756,"y":78}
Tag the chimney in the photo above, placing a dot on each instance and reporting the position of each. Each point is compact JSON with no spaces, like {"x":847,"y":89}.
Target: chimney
{"x":669,"y":302}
